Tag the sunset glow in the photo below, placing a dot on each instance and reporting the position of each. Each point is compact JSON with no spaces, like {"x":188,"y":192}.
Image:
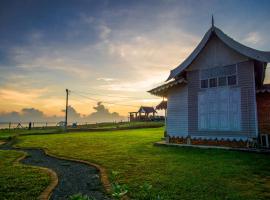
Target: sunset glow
{"x":109,"y":51}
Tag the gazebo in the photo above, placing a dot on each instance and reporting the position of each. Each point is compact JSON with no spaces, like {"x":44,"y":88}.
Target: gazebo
{"x":143,"y":114}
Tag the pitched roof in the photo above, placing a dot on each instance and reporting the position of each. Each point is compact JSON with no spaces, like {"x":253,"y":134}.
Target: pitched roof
{"x":146,"y":109}
{"x":162,"y":105}
{"x":262,"y":56}
{"x":162,"y":89}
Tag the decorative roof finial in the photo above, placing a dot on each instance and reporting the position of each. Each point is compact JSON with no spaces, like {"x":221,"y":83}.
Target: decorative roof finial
{"x":213,"y":21}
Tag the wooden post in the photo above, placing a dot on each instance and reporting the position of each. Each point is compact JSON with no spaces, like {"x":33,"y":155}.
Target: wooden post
{"x":66,"y":110}
{"x":9,"y":125}
{"x":165,"y":121}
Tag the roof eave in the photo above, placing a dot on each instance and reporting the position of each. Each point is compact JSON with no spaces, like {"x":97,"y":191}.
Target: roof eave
{"x":162,"y":90}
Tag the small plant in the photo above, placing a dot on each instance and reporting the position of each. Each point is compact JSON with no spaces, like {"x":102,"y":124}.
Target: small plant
{"x":146,"y":187}
{"x":118,"y":190}
{"x":146,"y":192}
{"x":81,"y":197}
{"x":114,"y":176}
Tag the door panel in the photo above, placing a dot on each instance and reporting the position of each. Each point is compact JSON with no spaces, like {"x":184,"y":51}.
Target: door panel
{"x":219,"y":109}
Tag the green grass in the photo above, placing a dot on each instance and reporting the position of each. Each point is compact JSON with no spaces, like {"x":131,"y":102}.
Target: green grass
{"x":6,"y":134}
{"x":19,"y":181}
{"x":120,"y":125}
{"x":174,"y":173}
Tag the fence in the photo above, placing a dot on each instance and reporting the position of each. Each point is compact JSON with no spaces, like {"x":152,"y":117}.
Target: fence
{"x":14,"y":125}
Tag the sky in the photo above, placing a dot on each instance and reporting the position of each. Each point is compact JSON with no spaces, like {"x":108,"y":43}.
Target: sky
{"x":109,"y":51}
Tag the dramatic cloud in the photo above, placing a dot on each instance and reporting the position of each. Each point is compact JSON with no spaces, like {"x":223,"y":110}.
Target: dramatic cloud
{"x":101,"y":114}
{"x":28,"y":115}
{"x":114,"y":48}
{"x":73,"y":115}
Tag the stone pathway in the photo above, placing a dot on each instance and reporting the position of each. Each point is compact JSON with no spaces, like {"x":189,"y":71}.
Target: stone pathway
{"x":73,"y":177}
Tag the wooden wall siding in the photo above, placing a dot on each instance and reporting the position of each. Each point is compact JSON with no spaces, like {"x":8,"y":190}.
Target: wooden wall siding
{"x":193,"y":89}
{"x":248,"y":102}
{"x":215,"y":54}
{"x":248,"y":98}
{"x":177,"y":112}
{"x":263,"y":107}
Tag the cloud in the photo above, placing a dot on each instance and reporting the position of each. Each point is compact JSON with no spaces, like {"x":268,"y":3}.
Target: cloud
{"x":103,"y":47}
{"x":73,"y":115}
{"x":106,"y":79}
{"x":104,"y":32}
{"x":134,"y":86}
{"x":32,"y":113}
{"x":101,"y":114}
{"x":21,"y":97}
{"x":49,"y":58}
{"x":18,"y":97}
{"x":253,"y":38}
{"x":28,"y":115}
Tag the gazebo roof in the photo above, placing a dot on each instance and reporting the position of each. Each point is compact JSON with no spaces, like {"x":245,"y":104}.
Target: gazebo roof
{"x":146,"y":109}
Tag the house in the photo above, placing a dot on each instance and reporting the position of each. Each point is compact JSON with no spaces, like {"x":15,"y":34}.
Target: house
{"x":211,"y":96}
{"x":143,"y":114}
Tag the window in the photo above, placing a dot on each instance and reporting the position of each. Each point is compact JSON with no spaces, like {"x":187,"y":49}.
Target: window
{"x":222,"y":81}
{"x":219,"y":76}
{"x":232,"y":80}
{"x":204,"y":83}
{"x":213,"y":82}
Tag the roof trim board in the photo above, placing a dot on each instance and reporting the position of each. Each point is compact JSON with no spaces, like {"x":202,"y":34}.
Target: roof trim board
{"x":160,"y":90}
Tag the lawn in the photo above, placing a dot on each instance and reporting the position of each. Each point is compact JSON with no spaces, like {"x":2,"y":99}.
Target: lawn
{"x":19,"y":181}
{"x":6,"y":134}
{"x":174,"y":173}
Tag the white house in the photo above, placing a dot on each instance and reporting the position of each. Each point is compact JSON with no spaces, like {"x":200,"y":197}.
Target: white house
{"x":211,"y":96}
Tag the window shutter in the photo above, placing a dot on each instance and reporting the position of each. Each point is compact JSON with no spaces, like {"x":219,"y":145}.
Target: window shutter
{"x":219,"y":109}
{"x":234,"y":109}
{"x":202,"y":110}
{"x":223,"y":109}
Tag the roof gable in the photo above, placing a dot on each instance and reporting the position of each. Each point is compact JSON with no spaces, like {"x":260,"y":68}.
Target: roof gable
{"x":145,"y":109}
{"x":246,"y":51}
{"x":216,"y":54}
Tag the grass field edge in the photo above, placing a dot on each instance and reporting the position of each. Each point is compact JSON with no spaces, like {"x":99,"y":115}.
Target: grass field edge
{"x":46,"y":194}
{"x":103,"y":172}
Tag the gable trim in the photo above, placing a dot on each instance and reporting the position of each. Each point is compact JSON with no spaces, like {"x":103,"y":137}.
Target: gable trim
{"x":244,"y":50}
